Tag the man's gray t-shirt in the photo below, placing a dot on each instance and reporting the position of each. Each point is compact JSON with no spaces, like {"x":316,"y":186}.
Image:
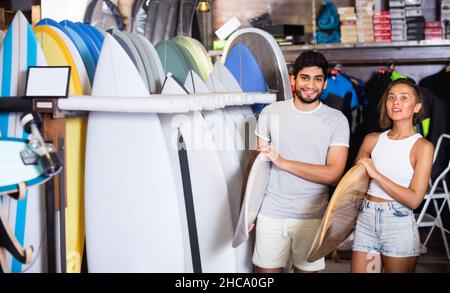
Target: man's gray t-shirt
{"x":303,"y":137}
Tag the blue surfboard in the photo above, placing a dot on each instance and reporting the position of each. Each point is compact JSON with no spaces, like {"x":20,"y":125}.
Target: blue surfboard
{"x":95,"y":35}
{"x":21,"y":49}
{"x":87,"y":40}
{"x":79,"y":43}
{"x":246,"y":70}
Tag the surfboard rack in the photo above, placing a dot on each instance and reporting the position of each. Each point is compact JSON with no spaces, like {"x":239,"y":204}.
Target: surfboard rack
{"x":170,"y":104}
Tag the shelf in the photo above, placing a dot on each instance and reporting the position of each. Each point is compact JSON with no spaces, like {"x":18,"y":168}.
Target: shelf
{"x":409,"y":52}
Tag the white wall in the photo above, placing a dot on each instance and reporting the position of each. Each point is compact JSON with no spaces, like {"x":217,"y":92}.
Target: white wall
{"x":64,"y":9}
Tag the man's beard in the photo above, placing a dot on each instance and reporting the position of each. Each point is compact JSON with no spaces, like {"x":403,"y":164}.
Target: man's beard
{"x":299,"y":95}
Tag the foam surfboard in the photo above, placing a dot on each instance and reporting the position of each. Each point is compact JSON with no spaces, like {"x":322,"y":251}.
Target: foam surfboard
{"x":60,"y":51}
{"x":269,"y":56}
{"x":255,"y":189}
{"x":340,"y":217}
{"x":132,"y":218}
{"x":208,"y":226}
{"x":20,"y":49}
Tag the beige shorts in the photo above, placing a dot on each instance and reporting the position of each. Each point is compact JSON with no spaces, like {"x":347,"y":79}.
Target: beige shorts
{"x":277,"y":238}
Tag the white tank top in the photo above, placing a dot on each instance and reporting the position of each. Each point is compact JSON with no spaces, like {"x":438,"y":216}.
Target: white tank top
{"x":391,"y":159}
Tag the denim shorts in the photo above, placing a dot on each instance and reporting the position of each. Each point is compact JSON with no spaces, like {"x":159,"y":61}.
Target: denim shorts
{"x":386,"y":228}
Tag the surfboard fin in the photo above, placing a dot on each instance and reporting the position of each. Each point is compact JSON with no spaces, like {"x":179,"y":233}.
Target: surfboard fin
{"x":9,"y":242}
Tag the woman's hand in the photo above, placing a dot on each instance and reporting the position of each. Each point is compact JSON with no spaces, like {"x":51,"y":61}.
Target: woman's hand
{"x":273,"y":156}
{"x":370,"y":167}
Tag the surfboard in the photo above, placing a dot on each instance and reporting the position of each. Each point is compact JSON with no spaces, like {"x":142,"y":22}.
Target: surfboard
{"x":255,"y":189}
{"x":14,"y":170}
{"x":172,"y":60}
{"x":269,"y":56}
{"x":340,"y":217}
{"x":2,"y":36}
{"x":157,"y":68}
{"x":132,"y":218}
{"x":224,"y":142}
{"x":20,"y":49}
{"x":79,"y":43}
{"x":131,"y":50}
{"x":8,"y":242}
{"x":84,"y":36}
{"x":59,"y":51}
{"x":221,"y":80}
{"x":145,"y":57}
{"x":198,"y":54}
{"x":208,"y":226}
{"x":229,"y":157}
{"x":245,"y":68}
{"x":95,"y":36}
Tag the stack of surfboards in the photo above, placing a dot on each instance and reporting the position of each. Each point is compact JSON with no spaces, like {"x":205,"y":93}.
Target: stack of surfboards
{"x":147,"y":192}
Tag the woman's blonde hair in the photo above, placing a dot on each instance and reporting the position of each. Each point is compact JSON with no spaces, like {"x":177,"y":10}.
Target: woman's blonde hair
{"x":385,"y":121}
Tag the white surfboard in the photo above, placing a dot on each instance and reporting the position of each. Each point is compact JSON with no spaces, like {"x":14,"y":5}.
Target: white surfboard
{"x":157,"y":68}
{"x":229,"y":157}
{"x":26,"y":217}
{"x":254,"y":195}
{"x":223,"y":139}
{"x":210,"y":213}
{"x":235,"y":119}
{"x":132,"y":219}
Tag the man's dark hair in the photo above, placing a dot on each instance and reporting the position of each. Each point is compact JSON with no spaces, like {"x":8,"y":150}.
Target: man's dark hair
{"x":308,"y":59}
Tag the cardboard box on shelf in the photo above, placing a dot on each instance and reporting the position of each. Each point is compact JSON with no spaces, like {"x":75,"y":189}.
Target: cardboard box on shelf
{"x":396,"y":3}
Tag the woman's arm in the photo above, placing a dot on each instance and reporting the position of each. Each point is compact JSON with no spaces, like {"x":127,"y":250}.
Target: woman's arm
{"x":367,"y":146}
{"x":413,"y":195}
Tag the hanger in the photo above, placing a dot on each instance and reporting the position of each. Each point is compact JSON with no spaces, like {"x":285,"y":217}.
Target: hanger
{"x":337,"y":69}
{"x":381,"y":70}
{"x":391,"y":67}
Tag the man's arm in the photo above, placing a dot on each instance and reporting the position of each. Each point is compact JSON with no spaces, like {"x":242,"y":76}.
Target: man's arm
{"x":329,"y":174}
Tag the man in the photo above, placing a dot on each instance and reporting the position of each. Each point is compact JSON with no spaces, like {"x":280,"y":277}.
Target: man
{"x":307,"y":143}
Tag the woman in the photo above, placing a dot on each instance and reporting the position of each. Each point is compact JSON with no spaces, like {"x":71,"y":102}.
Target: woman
{"x":398,"y":162}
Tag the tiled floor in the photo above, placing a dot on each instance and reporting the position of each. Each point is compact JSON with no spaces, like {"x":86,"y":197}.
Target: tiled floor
{"x":434,"y":261}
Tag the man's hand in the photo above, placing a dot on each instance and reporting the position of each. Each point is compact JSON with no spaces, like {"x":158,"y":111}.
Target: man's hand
{"x":273,"y":155}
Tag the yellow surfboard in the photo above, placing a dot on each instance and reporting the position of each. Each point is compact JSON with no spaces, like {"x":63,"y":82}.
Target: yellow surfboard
{"x":60,"y":51}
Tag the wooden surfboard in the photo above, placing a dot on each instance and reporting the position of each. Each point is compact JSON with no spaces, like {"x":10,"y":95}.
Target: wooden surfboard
{"x":341,"y":214}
